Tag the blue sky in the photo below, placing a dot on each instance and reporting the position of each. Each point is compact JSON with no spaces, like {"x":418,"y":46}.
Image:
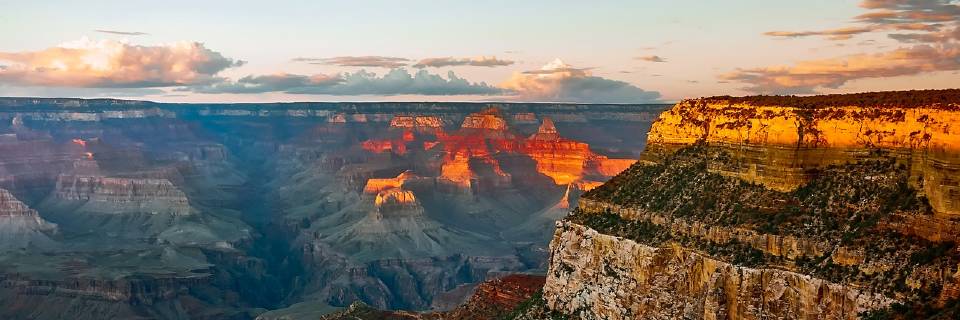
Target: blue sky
{"x":609,"y":44}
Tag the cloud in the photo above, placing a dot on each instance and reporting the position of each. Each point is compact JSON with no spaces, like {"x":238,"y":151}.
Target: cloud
{"x":561,"y":82}
{"x":59,"y":92}
{"x":909,"y":11}
{"x":394,"y":82}
{"x":933,"y":37}
{"x":122,"y":33}
{"x":114,"y":64}
{"x":835,"y":34}
{"x":933,"y":24}
{"x":358,"y":61}
{"x":890,"y":15}
{"x":806,"y":76}
{"x":849,"y":32}
{"x":450,"y":61}
{"x":652,"y":59}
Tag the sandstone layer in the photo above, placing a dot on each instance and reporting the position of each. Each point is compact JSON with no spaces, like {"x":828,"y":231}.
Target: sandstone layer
{"x":778,"y":145}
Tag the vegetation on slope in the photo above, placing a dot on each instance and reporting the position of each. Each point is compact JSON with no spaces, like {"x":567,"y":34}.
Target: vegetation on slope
{"x":945,"y":99}
{"x":844,"y":206}
{"x":535,"y":308}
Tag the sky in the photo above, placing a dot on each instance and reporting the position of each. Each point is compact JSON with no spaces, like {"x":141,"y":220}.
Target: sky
{"x":550,"y":51}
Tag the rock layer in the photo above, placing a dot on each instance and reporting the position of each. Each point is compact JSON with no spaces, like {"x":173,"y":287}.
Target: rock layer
{"x":22,"y":227}
{"x":778,"y":145}
{"x":124,"y":194}
{"x":597,"y":276}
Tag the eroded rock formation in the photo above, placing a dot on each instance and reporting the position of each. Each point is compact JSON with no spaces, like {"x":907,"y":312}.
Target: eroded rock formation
{"x":22,"y":227}
{"x":123,"y":194}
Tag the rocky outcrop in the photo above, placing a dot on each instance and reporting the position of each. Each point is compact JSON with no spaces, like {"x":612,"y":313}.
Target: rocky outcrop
{"x":495,"y":299}
{"x":490,"y":119}
{"x":120,"y":195}
{"x":791,"y":247}
{"x":376,"y":185}
{"x":597,"y":276}
{"x":416,"y":122}
{"x":22,"y":227}
{"x":778,"y":145}
{"x":397,"y":202}
{"x":567,"y":161}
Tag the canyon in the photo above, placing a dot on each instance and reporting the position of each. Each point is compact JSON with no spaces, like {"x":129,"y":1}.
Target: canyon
{"x":765,"y":207}
{"x":141,"y":210}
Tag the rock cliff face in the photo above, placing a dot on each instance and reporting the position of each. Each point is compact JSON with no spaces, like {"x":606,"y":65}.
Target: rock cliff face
{"x":598,"y":276}
{"x":22,"y":227}
{"x":834,"y":207}
{"x":778,"y":145}
{"x":120,"y":195}
{"x":416,"y":122}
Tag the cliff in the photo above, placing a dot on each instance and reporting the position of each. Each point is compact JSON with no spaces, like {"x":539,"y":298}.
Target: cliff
{"x":819,"y":208}
{"x":598,"y":276}
{"x":779,"y":145}
{"x":118,"y":195}
{"x":22,"y":227}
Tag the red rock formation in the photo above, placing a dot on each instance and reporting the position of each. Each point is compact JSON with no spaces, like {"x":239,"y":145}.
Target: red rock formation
{"x":473,"y":143}
{"x":496,"y":298}
{"x":381,"y":146}
{"x":395,"y":197}
{"x":412,"y":122}
{"x":375,"y":186}
{"x":397,"y":145}
{"x":562,"y":160}
{"x":611,"y":167}
{"x":427,"y":145}
{"x":547,"y":131}
{"x":489,"y":119}
{"x":566,"y":161}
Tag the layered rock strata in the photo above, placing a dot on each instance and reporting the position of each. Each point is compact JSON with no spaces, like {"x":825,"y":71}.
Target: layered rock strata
{"x":124,"y":194}
{"x":778,"y":145}
{"x":597,"y":276}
